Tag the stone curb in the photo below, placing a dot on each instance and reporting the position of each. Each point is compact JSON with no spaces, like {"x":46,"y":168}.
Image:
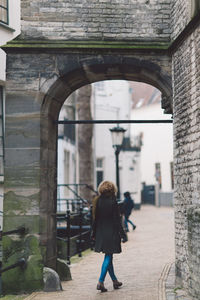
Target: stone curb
{"x":166,"y":286}
{"x":170,"y":293}
{"x":162,"y":281}
{"x":33,"y":295}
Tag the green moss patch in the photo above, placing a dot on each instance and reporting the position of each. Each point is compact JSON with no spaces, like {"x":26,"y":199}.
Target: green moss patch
{"x":17,"y":204}
{"x":30,"y":222}
{"x":75,"y":259}
{"x":87,"y":44}
{"x":21,"y":280}
{"x":28,"y":278}
{"x":13,"y":297}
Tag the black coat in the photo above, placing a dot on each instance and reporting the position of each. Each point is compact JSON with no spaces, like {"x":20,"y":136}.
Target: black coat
{"x":107,"y":228}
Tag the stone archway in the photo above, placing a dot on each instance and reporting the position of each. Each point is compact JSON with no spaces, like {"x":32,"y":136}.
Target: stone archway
{"x":95,"y":69}
{"x":37,"y":86}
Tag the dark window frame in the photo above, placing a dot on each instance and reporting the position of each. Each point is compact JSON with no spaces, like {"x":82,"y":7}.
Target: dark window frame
{"x":6,"y":8}
{"x":2,"y":151}
{"x":172,"y":174}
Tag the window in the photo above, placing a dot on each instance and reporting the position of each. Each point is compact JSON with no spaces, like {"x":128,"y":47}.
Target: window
{"x":66,"y":171}
{"x":100,"y":88}
{"x":99,"y":163}
{"x":99,"y":170}
{"x":4,"y":11}
{"x":69,"y":132}
{"x":100,"y":85}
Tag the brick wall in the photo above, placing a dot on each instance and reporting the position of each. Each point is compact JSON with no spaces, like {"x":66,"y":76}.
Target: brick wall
{"x":186,"y":73}
{"x":180,"y":16}
{"x":96,"y":20}
{"x":194,"y":249}
{"x":182,"y":13}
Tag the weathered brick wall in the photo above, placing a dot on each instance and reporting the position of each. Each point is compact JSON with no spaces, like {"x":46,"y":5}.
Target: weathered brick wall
{"x":186,"y":72}
{"x":96,"y":20}
{"x":180,"y":16}
{"x":182,"y":13}
{"x":193,"y":249}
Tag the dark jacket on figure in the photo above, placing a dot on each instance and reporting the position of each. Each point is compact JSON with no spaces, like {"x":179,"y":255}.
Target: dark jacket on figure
{"x":128,"y":206}
{"x":107,"y":228}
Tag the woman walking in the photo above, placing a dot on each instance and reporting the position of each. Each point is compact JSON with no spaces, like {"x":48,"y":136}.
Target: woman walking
{"x":107,"y":230}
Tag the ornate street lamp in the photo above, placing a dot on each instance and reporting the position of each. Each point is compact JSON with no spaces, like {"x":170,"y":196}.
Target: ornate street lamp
{"x":117,"y":139}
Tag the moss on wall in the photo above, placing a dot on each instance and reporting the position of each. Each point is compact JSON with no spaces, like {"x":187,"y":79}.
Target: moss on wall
{"x":18,"y":204}
{"x":28,"y":278}
{"x":87,"y":44}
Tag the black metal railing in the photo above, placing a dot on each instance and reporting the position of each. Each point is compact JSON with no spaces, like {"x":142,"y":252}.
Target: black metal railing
{"x":20,"y":230}
{"x":83,"y":231}
{"x":20,"y":263}
{"x":69,"y":198}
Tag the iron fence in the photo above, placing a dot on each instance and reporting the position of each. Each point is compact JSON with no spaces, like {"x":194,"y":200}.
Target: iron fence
{"x":69,"y":198}
{"x":83,"y":231}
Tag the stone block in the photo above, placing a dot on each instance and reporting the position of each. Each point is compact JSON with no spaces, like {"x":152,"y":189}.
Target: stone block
{"x":63,"y":270}
{"x":21,"y":103}
{"x":51,"y":280}
{"x":24,"y":129}
{"x":26,"y":176}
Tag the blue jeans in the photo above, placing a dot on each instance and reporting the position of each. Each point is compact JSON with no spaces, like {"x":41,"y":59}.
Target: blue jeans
{"x":126,"y":221}
{"x":107,"y":266}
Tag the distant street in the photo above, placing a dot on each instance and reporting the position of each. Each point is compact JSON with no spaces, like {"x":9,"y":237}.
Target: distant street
{"x":139,"y":266}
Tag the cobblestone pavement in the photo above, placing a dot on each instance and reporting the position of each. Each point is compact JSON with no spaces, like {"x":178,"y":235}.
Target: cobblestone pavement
{"x":140,"y":266}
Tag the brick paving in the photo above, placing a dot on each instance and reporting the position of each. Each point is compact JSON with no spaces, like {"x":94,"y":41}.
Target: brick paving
{"x":140,"y":266}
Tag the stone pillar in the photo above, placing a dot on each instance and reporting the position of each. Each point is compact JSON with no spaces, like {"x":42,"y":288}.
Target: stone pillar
{"x":22,"y":193}
{"x":157,"y":194}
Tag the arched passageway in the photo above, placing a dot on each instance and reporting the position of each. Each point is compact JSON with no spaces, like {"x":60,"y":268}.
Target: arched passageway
{"x":92,"y":70}
{"x":44,"y":82}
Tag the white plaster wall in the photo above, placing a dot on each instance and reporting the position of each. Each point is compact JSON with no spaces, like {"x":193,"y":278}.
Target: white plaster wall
{"x":63,"y":146}
{"x":114,"y":102}
{"x":2,"y":66}
{"x":157,"y":144}
{"x":7,"y":34}
{"x":115,"y":96}
{"x":131,"y":174}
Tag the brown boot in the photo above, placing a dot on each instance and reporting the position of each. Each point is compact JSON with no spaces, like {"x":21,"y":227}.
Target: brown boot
{"x":116,"y":284}
{"x":101,"y":287}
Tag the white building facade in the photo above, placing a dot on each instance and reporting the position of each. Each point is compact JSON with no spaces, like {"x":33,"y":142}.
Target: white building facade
{"x":112,"y":101}
{"x":67,"y":157}
{"x":157,"y":150}
{"x":147,"y":152}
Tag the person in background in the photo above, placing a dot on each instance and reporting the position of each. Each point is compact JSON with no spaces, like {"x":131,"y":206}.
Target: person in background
{"x":128,"y":205}
{"x":107,"y":231}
